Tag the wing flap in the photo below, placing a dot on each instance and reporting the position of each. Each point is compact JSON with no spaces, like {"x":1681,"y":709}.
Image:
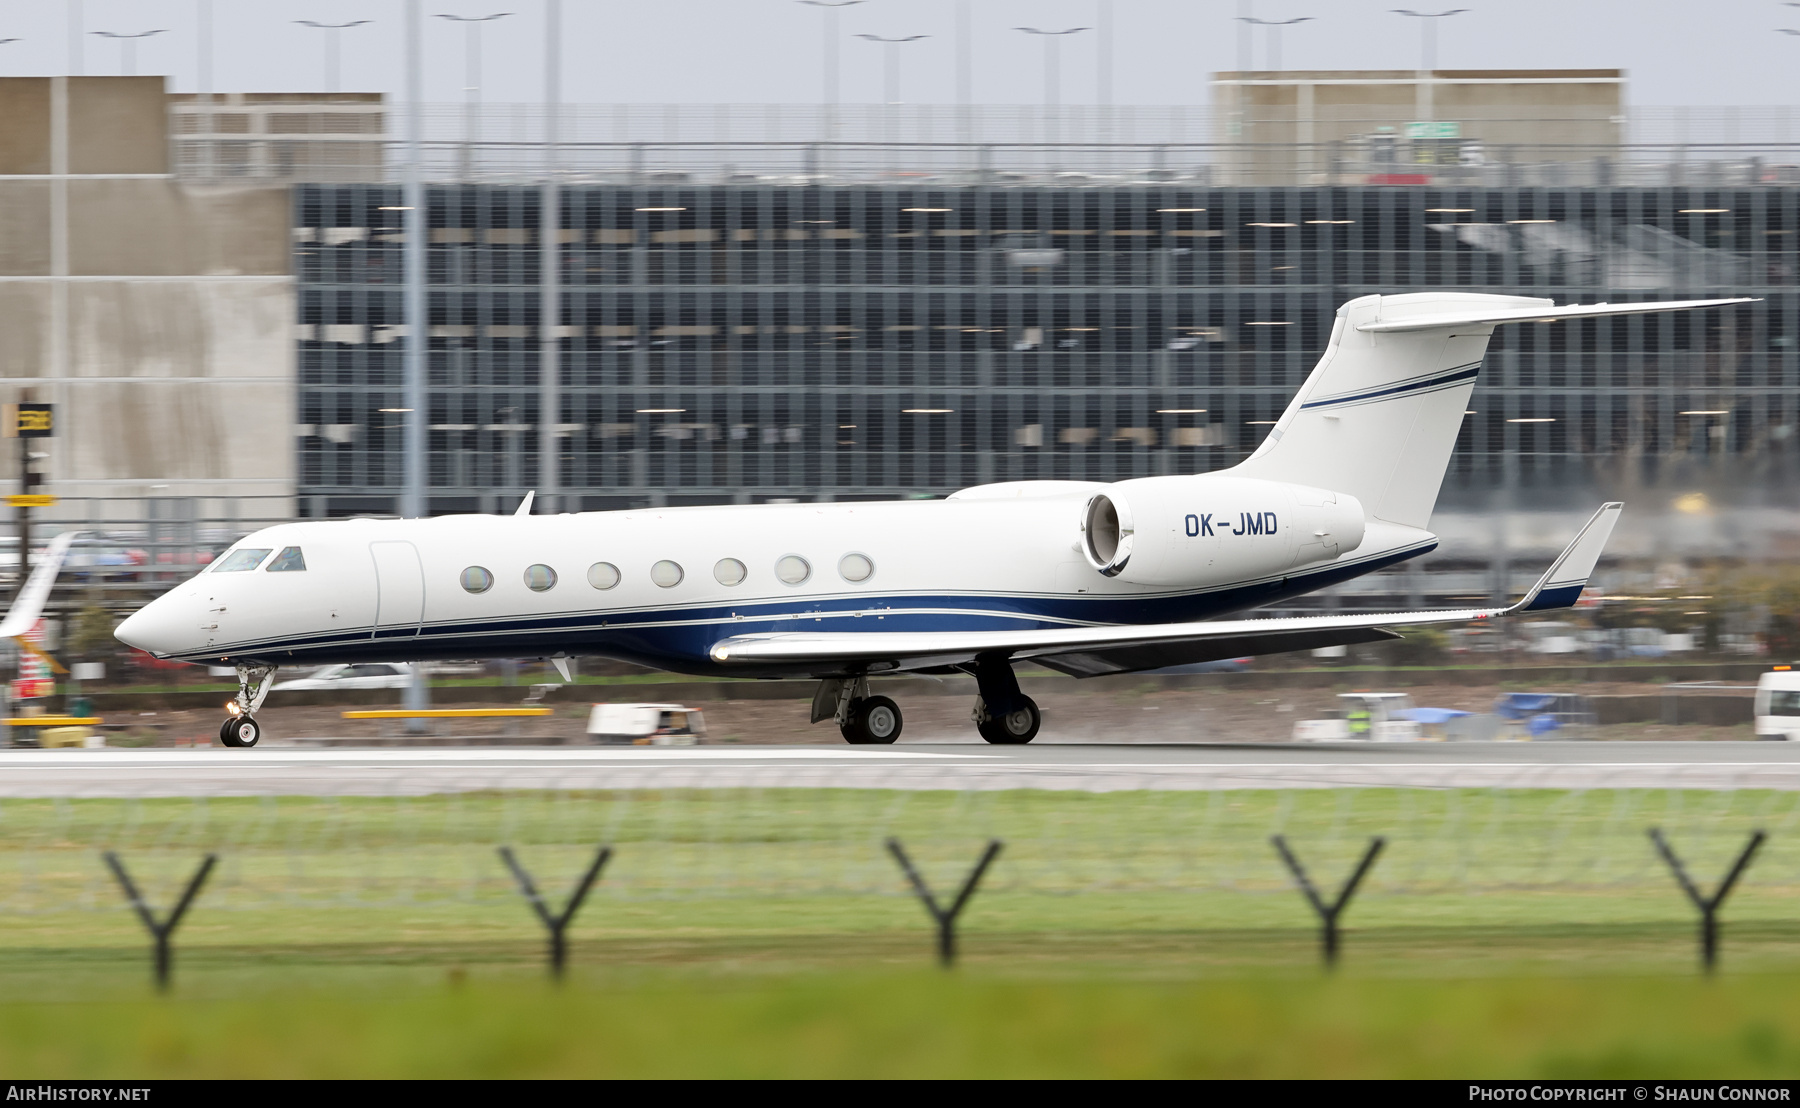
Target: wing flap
{"x":1133,"y":659}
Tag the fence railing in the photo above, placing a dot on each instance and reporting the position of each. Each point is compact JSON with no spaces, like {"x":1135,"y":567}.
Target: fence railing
{"x":377,"y":160}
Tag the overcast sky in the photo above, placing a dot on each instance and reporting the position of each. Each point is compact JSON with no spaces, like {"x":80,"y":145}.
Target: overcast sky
{"x":763,"y":51}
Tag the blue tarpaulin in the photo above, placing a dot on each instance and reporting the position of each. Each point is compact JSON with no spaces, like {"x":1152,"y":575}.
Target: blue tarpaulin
{"x":1431,"y":715}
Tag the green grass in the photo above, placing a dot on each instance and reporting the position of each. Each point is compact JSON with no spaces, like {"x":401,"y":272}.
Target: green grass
{"x":765,"y":931}
{"x":928,"y":1024}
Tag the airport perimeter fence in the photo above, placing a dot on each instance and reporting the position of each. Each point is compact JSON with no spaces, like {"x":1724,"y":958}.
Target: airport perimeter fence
{"x":287,"y":853}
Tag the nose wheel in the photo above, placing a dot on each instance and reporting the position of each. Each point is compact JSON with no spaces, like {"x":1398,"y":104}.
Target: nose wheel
{"x":240,"y":727}
{"x":240,"y":731}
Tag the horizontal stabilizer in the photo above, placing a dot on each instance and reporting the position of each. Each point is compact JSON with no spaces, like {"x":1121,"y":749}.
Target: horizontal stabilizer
{"x":1549,"y":313}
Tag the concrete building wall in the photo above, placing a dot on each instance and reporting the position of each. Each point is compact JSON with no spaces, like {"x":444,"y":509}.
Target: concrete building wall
{"x":157,"y":314}
{"x":1348,"y":126}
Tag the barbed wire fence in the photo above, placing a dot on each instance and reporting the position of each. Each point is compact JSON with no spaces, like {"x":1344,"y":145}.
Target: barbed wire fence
{"x":724,"y":844}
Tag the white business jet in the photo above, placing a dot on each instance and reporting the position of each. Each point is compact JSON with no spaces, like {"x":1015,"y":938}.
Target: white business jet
{"x":1082,"y":577}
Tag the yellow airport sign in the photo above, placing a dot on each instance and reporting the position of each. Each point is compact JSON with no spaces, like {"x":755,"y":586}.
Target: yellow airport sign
{"x":30,"y":500}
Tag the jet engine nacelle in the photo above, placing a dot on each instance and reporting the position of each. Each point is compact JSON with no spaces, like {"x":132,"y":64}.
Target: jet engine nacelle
{"x":1197,"y":530}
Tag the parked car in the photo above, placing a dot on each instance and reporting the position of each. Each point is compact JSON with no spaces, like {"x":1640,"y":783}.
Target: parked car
{"x":357,"y":675}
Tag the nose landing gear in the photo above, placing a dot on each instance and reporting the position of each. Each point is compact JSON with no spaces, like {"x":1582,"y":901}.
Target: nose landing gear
{"x":240,"y":727}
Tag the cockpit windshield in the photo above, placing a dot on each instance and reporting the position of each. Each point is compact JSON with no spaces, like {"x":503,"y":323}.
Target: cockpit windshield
{"x":290,"y":560}
{"x":240,"y":560}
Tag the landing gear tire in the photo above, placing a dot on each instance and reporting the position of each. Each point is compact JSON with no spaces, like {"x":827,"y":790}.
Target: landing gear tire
{"x":873,"y":720}
{"x":1017,"y":726}
{"x":240,"y":731}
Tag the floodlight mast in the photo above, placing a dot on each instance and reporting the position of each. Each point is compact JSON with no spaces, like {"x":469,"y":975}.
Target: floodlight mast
{"x":829,"y":92}
{"x":128,"y":47}
{"x":1052,"y":76}
{"x":1274,"y":35}
{"x":332,"y":49}
{"x":1426,"y":108}
{"x":472,"y":25}
{"x":549,"y":485}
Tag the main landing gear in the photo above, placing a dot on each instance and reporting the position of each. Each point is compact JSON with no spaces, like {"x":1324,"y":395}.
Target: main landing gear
{"x":1002,"y":713}
{"x":861,"y":718}
{"x":240,"y":727}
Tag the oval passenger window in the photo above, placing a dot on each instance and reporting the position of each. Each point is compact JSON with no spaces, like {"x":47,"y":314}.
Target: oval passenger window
{"x":603,"y":575}
{"x":793,"y":569}
{"x":540,"y":578}
{"x":476,"y":579}
{"x":856,"y":567}
{"x":666,"y":574}
{"x":730,"y":571}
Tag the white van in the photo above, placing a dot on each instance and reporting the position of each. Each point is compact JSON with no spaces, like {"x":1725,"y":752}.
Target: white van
{"x":1778,"y":704}
{"x":646,"y":724}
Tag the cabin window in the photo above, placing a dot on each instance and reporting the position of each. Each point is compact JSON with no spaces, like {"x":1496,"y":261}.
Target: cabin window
{"x":240,"y":560}
{"x":856,"y":567}
{"x":290,"y":560}
{"x":476,"y":579}
{"x":1784,"y":702}
{"x":603,"y":575}
{"x":666,"y":574}
{"x":540,"y":578}
{"x":730,"y":571}
{"x":793,"y":569}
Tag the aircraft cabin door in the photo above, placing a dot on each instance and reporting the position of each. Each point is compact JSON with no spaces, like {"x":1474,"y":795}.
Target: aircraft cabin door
{"x":399,"y":589}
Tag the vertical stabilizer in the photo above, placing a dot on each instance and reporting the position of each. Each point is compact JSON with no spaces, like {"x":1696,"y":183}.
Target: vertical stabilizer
{"x":1380,"y":413}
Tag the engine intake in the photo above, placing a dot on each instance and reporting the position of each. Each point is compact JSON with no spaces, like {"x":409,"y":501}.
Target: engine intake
{"x":1106,"y":535}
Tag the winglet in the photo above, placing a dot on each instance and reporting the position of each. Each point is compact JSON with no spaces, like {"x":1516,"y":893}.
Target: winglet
{"x":1561,"y":584}
{"x":525,"y":504}
{"x":30,"y":605}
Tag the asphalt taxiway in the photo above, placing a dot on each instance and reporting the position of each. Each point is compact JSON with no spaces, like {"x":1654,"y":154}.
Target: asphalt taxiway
{"x":390,"y":771}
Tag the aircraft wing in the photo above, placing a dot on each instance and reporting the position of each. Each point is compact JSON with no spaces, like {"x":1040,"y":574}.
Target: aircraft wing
{"x":1091,"y":651}
{"x":30,"y":605}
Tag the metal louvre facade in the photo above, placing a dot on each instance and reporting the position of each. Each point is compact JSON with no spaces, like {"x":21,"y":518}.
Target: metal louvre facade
{"x":761,"y":341}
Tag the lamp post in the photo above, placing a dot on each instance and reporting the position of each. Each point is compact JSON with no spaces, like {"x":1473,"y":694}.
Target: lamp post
{"x":891,"y":81}
{"x":1052,"y":75}
{"x":77,"y":40}
{"x":1428,"y":21}
{"x":550,"y":273}
{"x":1428,"y":33}
{"x":412,"y":434}
{"x":472,"y":25}
{"x":1274,"y":31}
{"x":829,"y":93}
{"x":128,"y":47}
{"x":331,"y":46}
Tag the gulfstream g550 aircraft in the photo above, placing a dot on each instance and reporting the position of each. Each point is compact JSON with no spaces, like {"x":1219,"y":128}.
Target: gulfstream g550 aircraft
{"x":1085,"y":578}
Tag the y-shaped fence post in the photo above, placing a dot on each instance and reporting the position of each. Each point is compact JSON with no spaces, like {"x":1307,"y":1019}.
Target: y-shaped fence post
{"x":557,"y":925}
{"x":945,"y":918}
{"x":160,"y":933}
{"x":1329,"y":913}
{"x":1709,"y":906}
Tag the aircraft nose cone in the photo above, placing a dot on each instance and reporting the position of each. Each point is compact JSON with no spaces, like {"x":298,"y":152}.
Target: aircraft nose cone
{"x":158,"y":628}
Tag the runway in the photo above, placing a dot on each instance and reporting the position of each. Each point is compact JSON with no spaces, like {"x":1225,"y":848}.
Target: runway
{"x":389,"y":771}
